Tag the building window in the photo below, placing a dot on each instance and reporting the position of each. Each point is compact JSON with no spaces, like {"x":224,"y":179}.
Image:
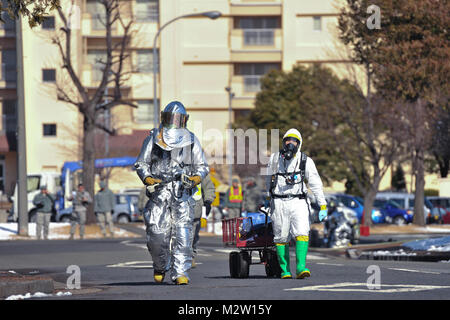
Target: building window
{"x":8,"y":24}
{"x":48,"y":75}
{"x":97,"y":60}
{"x":49,"y":23}
{"x":242,"y":114}
{"x":49,"y":129}
{"x":9,"y":124}
{"x":144,"y":111}
{"x":146,"y":10}
{"x":258,"y":30}
{"x":98,"y":14}
{"x":145,"y":60}
{"x":317,"y":23}
{"x":252,"y":74}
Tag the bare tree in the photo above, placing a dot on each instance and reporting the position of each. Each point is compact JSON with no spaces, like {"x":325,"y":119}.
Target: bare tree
{"x":91,"y":104}
{"x":367,"y":137}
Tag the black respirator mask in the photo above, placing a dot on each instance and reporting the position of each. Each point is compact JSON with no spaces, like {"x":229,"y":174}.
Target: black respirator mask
{"x":289,"y":150}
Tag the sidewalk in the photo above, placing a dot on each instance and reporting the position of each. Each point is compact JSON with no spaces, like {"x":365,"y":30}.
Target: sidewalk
{"x":60,"y":231}
{"x":433,"y":249}
{"x":394,"y":229}
{"x":12,"y":283}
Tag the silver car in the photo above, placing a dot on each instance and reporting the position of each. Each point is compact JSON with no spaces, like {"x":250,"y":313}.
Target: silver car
{"x":125,"y":210}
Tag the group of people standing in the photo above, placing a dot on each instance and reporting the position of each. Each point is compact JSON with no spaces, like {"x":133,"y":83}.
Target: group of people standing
{"x":103,"y":207}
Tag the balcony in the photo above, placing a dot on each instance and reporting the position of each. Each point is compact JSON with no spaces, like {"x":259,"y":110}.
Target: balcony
{"x":262,"y":7}
{"x":259,"y":37}
{"x":8,"y":76}
{"x":256,"y":44}
{"x":252,"y":83}
{"x":7,"y":28}
{"x":8,"y":124}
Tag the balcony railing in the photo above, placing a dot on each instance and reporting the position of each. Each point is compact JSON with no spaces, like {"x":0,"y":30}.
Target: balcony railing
{"x":252,"y":83}
{"x":9,"y":124}
{"x":147,"y":16}
{"x":259,"y":37}
{"x":9,"y":72}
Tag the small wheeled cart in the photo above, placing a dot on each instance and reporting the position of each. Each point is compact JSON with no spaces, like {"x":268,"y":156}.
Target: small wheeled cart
{"x":248,"y":234}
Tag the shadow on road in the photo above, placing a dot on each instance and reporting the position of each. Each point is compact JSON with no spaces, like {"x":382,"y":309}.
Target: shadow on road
{"x":136,"y":284}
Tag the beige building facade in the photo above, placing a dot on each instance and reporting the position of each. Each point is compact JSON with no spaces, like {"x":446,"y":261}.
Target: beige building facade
{"x":197,"y":59}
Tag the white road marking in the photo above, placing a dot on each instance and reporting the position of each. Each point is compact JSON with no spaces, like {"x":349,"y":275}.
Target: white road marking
{"x":411,"y":270}
{"x":331,"y":264}
{"x":137,"y":245}
{"x":132,"y":264}
{"x":389,"y":288}
{"x":136,"y":264}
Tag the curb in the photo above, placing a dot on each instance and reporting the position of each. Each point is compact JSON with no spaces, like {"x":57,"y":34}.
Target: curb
{"x":393,"y":251}
{"x":18,"y":284}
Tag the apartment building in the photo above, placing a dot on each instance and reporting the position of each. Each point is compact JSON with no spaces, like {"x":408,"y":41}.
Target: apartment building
{"x":197,"y":58}
{"x":8,"y":101}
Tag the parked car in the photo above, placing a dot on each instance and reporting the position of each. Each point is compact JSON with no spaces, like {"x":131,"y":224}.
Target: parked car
{"x":393,"y":213}
{"x":442,"y":204}
{"x":125,"y":210}
{"x":357,"y":204}
{"x":406,"y":201}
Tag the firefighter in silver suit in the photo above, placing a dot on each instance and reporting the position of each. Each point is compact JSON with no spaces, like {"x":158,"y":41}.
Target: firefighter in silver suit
{"x":171,"y":164}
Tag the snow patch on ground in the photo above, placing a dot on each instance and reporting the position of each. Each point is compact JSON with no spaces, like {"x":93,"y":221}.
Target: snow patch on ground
{"x":57,"y":231}
{"x":441,"y":244}
{"x":37,"y":295}
{"x":9,"y":231}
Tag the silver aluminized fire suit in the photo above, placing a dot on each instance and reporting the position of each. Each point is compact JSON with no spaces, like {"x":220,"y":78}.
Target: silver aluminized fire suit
{"x":169,"y":213}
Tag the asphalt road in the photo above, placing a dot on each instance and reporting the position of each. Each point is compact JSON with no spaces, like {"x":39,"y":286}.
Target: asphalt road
{"x":122,"y":269}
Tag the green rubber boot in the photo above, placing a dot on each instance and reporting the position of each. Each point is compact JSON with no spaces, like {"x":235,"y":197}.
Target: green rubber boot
{"x":283,"y":260}
{"x":301,"y":249}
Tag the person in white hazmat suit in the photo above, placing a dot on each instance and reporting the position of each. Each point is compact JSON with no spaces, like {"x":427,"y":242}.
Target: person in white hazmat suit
{"x":287,"y":171}
{"x":171,"y":164}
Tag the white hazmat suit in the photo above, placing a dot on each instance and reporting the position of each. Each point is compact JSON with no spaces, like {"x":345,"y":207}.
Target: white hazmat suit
{"x":289,"y":206}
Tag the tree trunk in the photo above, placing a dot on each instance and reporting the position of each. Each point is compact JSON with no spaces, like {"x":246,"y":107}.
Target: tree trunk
{"x":419,"y":158}
{"x":369,"y":198}
{"x":419,"y":201}
{"x":89,"y":164}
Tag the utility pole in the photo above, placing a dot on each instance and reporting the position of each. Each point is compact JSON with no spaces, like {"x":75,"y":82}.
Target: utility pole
{"x":230,"y":142}
{"x":22,"y":194}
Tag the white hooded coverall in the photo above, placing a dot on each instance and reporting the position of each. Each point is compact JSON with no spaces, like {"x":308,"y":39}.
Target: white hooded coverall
{"x":290,"y":215}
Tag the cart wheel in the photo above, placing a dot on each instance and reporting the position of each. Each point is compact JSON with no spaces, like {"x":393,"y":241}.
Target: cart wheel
{"x":239,"y":264}
{"x":272,"y":266}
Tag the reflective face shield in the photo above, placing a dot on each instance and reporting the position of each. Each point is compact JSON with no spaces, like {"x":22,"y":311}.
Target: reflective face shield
{"x":171,"y":120}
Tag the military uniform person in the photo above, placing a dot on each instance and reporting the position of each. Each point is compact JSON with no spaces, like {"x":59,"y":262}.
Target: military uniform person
{"x":204,"y":196}
{"x":81,"y":200}
{"x":252,"y":196}
{"x":44,"y":203}
{"x":104,"y":208}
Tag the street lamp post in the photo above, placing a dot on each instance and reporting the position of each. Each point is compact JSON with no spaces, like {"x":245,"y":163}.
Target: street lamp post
{"x":209,"y":14}
{"x":230,"y":142}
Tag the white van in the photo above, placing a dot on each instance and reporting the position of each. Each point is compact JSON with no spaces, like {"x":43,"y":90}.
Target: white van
{"x":34,"y":182}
